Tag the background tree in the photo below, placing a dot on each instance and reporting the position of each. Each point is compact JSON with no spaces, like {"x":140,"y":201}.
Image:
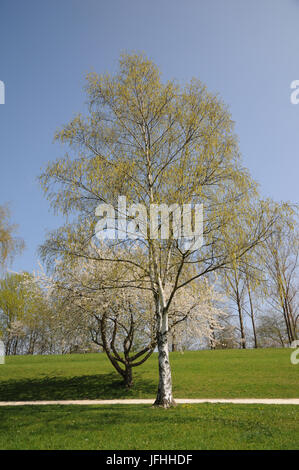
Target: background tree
{"x":22,"y":307}
{"x":12,"y":308}
{"x":235,"y":288}
{"x":9,"y":243}
{"x":280,"y":259}
{"x":246,"y":280}
{"x":31,"y":322}
{"x":196,"y":314}
{"x":227,"y":337}
{"x":271,"y":330}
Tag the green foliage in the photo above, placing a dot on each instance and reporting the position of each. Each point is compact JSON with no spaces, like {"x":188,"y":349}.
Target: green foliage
{"x":9,"y":244}
{"x":153,"y":142}
{"x":12,"y":300}
{"x":23,"y":308}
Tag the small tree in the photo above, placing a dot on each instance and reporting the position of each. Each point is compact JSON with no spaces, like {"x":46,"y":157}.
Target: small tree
{"x":119,"y":321}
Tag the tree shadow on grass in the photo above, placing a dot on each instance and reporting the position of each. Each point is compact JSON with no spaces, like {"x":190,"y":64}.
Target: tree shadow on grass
{"x":100,"y":386}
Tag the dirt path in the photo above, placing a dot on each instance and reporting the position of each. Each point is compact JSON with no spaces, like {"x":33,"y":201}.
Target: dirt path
{"x":241,"y":401}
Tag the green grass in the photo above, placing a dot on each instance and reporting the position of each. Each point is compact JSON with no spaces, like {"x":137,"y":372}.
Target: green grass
{"x":207,"y":374}
{"x":138,"y":427}
{"x":262,"y":373}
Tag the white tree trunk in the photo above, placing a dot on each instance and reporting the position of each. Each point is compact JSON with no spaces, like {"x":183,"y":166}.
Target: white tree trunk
{"x":164,"y":395}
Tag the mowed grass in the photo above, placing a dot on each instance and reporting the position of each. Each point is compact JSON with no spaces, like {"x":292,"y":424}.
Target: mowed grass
{"x":262,"y":373}
{"x":138,"y":427}
{"x":202,"y":374}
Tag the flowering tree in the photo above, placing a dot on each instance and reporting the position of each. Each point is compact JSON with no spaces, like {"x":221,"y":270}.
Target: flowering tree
{"x":196,"y":315}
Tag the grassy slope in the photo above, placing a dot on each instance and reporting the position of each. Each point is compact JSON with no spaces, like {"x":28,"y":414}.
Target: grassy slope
{"x":141,"y":427}
{"x":207,"y":374}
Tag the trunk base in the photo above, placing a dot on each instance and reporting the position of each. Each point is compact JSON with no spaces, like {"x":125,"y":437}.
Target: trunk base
{"x":164,"y":403}
{"x":127,"y":384}
{"x":128,"y":379}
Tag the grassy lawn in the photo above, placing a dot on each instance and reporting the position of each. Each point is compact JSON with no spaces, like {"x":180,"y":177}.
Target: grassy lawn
{"x":258,"y":373}
{"x":207,"y":374}
{"x":141,"y":427}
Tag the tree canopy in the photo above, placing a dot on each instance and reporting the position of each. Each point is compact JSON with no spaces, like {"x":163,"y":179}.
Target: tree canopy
{"x":154,"y":143}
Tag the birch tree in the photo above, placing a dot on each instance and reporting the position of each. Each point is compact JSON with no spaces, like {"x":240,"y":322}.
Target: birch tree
{"x":154,"y":143}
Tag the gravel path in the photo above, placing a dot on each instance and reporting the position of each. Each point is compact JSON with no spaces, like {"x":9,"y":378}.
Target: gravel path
{"x":242,"y":401}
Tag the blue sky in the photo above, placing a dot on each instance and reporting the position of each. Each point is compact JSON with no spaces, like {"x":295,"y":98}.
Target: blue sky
{"x":248,"y":51}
